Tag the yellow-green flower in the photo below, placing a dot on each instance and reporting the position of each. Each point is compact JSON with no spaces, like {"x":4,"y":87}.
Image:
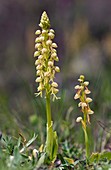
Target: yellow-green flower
{"x":81,"y":94}
{"x":46,"y":55}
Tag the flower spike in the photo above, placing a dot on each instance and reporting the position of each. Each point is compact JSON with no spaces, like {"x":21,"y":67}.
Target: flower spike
{"x":81,"y":94}
{"x":46,"y":55}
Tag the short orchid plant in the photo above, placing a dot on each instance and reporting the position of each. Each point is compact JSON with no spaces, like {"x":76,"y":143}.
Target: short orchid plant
{"x":81,"y":94}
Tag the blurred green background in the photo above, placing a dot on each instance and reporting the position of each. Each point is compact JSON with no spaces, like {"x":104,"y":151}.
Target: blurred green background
{"x":83,"y":35}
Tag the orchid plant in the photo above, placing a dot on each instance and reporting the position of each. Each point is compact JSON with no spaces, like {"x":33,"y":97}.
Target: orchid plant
{"x":46,"y":55}
{"x":81,"y":94}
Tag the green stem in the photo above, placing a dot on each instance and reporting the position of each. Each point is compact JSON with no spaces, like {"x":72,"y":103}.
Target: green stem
{"x":86,"y":135}
{"x":85,"y":117}
{"x":86,"y":143}
{"x":51,"y":141}
{"x":48,"y":109}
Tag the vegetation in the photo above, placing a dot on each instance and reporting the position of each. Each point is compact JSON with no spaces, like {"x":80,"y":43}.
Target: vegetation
{"x":62,"y":151}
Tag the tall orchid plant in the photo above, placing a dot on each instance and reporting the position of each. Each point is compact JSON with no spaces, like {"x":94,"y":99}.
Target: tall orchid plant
{"x":46,"y":55}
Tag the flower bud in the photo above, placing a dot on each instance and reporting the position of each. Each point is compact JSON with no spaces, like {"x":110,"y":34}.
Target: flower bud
{"x":38,"y":79}
{"x":51,"y":35}
{"x":77,"y":96}
{"x":48,"y":42}
{"x":57,"y":69}
{"x":79,"y":119}
{"x":40,"y":57}
{"x":41,"y":25}
{"x":44,"y":50}
{"x":51,"y":30}
{"x":54,"y":50}
{"x":90,"y":112}
{"x":38,"y":45}
{"x":54,"y":90}
{"x":54,"y":84}
{"x":54,"y":55}
{"x":44,"y":31}
{"x":37,"y":32}
{"x":39,"y":67}
{"x":82,"y":77}
{"x":37,"y":62}
{"x":87,"y":91}
{"x":83,"y":105}
{"x":41,"y":39}
{"x":88,"y":100}
{"x":80,"y":80}
{"x":36,"y":54}
{"x":56,"y":58}
{"x":54,"y":45}
{"x":50,"y":63}
{"x":86,"y":83}
{"x":38,"y":72}
{"x":37,"y":40}
{"x":80,"y":104}
{"x":40,"y":88}
{"x":77,"y":87}
{"x":47,"y":74}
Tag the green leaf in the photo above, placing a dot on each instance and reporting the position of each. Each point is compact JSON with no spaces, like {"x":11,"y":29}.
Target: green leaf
{"x":19,"y":142}
{"x":29,"y":143}
{"x":40,"y":161}
{"x":55,"y":145}
{"x":51,"y":143}
{"x":69,"y":160}
{"x":95,"y":157}
{"x":105,"y":155}
{"x":17,"y":155}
